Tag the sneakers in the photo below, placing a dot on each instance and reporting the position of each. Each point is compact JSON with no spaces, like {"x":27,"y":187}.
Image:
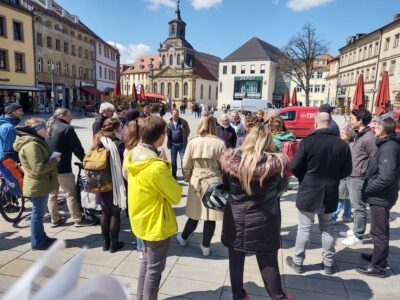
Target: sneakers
{"x":347,"y":233}
{"x":46,"y":244}
{"x":297,"y":268}
{"x":206,"y":250}
{"x":84,"y":222}
{"x":351,"y":241}
{"x":329,"y":270}
{"x":181,"y":240}
{"x":140,"y":255}
{"x":58,"y":223}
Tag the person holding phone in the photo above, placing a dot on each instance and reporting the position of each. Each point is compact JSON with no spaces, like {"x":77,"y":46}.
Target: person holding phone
{"x":40,"y":175}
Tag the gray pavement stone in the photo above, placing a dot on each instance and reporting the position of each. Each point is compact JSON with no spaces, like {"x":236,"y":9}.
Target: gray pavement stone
{"x":7,"y":255}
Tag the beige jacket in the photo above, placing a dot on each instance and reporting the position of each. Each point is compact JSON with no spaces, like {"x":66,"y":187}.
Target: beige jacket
{"x":201,"y":168}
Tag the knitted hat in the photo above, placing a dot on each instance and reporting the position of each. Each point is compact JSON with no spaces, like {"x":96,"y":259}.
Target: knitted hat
{"x":325,"y":108}
{"x":11,"y":108}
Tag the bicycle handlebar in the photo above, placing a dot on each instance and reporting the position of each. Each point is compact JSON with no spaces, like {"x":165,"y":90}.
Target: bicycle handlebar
{"x":79,"y":165}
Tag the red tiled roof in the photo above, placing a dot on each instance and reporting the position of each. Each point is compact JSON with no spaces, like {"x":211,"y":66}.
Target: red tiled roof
{"x":141,"y":64}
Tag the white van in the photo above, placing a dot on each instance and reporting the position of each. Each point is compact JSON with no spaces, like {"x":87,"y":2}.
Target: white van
{"x":253,"y":105}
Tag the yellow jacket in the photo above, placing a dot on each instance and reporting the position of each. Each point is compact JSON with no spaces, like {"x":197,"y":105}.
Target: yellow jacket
{"x":151,"y":193}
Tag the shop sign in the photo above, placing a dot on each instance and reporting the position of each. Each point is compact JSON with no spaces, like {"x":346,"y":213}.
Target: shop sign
{"x":240,"y":78}
{"x":83,"y":83}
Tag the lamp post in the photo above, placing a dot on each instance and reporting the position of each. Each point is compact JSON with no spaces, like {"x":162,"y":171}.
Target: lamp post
{"x":151,"y":77}
{"x":52,"y":88}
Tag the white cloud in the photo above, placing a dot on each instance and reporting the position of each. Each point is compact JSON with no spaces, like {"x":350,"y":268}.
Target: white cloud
{"x":205,"y":4}
{"x":154,"y":4}
{"x":131,"y":52}
{"x":300,"y":5}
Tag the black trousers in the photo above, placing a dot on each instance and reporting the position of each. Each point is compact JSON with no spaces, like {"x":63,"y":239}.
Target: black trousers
{"x":269,"y":268}
{"x":380,"y":236}
{"x":208,"y":231}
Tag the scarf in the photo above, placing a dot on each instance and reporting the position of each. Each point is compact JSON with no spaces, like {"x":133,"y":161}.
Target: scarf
{"x":119,"y":192}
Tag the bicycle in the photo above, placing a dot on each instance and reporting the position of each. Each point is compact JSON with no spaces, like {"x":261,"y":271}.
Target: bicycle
{"x":11,"y":206}
{"x":90,"y":210}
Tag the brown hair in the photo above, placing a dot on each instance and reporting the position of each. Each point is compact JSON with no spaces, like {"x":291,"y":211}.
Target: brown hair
{"x":32,"y":122}
{"x":207,"y":125}
{"x":251,"y":121}
{"x":276,"y":125}
{"x":151,"y":128}
{"x":132,"y":135}
{"x":109,"y":126}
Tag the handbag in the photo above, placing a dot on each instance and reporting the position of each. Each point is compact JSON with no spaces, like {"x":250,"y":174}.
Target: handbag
{"x":216,"y":197}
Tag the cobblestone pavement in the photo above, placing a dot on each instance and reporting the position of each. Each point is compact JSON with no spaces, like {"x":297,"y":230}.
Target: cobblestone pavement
{"x":188,"y":275}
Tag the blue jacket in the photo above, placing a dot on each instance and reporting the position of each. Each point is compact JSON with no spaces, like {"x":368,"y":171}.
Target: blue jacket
{"x":7,"y":137}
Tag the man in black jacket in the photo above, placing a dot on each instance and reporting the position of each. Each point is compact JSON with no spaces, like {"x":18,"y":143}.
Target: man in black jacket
{"x":380,"y":190}
{"x":320,"y":162}
{"x":226,"y":132}
{"x":62,"y":138}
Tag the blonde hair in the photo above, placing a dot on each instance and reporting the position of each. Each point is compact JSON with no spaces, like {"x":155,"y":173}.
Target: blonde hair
{"x":207,"y":126}
{"x":32,"y":122}
{"x":258,"y":142}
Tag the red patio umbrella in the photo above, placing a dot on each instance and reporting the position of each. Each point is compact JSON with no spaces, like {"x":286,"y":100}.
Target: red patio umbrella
{"x":382,"y":98}
{"x":286,"y":99}
{"x":134,"y":93}
{"x":117,"y":88}
{"x":142,"y":95}
{"x":359,"y":95}
{"x":294,"y":97}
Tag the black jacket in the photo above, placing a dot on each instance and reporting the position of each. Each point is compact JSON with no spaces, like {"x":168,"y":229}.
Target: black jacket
{"x":185,"y":132}
{"x":228,"y":135}
{"x":62,"y":138}
{"x":252,"y":222}
{"x":382,"y":183}
{"x":320,"y":162}
{"x":98,"y":123}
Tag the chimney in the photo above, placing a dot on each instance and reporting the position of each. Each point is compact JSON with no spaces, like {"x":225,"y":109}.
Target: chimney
{"x":396,"y":17}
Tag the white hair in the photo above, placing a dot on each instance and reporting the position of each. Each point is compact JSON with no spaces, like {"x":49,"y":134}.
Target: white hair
{"x":224,"y":117}
{"x":106,"y":106}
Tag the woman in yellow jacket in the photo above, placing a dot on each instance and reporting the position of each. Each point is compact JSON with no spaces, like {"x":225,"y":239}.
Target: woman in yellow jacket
{"x":151,"y":193}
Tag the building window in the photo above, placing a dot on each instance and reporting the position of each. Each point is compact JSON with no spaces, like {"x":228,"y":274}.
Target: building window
{"x":79,"y":36}
{"x":209,"y":92}
{"x":58,"y":45}
{"x":58,"y":68}
{"x":85,"y":39}
{"x":66,"y":70}
{"x":370,"y":51}
{"x":3,"y":59}
{"x":387,"y":43}
{"x":317,"y":89}
{"x":80,"y":72}
{"x":80,"y":51}
{"x":162,"y":91}
{"x":298,"y":89}
{"x":19,"y":62}
{"x":224,"y":70}
{"x":262,"y":69}
{"x":171,"y":60}
{"x":110,"y":74}
{"x":376,"y":48}
{"x":383,"y":67}
{"x":176,"y":90}
{"x":220,"y":86}
{"x":392,"y":66}
{"x":3,"y":31}
{"x":233,"y":69}
{"x":216,"y":93}
{"x":155,"y":87}
{"x":86,"y":53}
{"x":91,"y":55}
{"x":396,"y":41}
{"x":73,"y":50}
{"x":243,"y":69}
{"x":323,"y":88}
{"x":105,"y":73}
{"x":201,"y":91}
{"x":39,"y":40}
{"x":65,"y":47}
{"x":185,"y":89}
{"x":365,"y":52}
{"x":86,"y":74}
{"x":100,"y":71}
{"x":163,"y":60}
{"x":169,"y":89}
{"x":178,"y":59}
{"x":18,"y":31}
{"x":319,"y":75}
{"x":360,"y":54}
{"x":73,"y":71}
{"x":311,"y":88}
{"x":49,"y":42}
{"x":49,"y":65}
{"x":72,"y":33}
{"x":252,"y":69}
{"x":99,"y":49}
{"x":39,"y":64}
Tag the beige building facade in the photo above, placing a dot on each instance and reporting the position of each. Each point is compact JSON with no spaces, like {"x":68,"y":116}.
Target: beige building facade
{"x":331,"y":81}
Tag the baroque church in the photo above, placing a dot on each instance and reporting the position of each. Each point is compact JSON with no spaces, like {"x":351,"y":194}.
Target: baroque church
{"x":184,"y":74}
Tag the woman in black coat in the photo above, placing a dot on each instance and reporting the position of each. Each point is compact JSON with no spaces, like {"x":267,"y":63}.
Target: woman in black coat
{"x":253,"y":175}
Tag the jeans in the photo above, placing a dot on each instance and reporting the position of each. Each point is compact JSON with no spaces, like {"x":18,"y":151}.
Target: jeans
{"x":306,"y":219}
{"x":344,"y":204}
{"x":151,"y":268}
{"x":139,"y":244}
{"x":208,"y":231}
{"x":39,"y":208}
{"x":269,"y":268}
{"x":360,"y":208}
{"x":175,"y":149}
{"x":380,"y":236}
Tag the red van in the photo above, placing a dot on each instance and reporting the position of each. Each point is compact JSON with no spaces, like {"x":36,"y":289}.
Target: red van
{"x":299,"y":119}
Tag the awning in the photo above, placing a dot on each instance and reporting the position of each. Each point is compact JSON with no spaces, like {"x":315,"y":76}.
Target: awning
{"x":155,"y":95}
{"x":91,"y":90}
{"x":21,"y":88}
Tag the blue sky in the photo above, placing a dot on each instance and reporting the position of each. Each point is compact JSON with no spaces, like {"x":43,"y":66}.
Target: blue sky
{"x":219,"y":27}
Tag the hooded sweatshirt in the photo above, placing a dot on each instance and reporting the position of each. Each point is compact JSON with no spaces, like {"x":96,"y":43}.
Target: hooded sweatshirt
{"x":7,"y":137}
{"x":40,"y":176}
{"x":280,"y":137}
{"x":151,"y":193}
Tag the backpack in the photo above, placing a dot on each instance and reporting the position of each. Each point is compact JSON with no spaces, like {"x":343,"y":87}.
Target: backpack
{"x":13,"y":175}
{"x":97,"y":169}
{"x":289,"y":148}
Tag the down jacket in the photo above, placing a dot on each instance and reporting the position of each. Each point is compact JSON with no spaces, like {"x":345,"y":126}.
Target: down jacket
{"x":252,"y":222}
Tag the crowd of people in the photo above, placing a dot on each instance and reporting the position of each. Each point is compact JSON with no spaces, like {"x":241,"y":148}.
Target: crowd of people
{"x":345,"y":168}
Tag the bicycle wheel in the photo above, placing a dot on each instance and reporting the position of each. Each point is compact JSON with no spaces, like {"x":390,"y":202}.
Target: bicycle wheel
{"x":11,"y":207}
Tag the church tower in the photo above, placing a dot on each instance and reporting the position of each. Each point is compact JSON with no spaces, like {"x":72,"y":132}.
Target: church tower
{"x":177,"y":26}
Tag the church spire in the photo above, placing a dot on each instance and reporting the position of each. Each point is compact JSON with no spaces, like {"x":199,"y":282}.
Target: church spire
{"x":178,"y":12}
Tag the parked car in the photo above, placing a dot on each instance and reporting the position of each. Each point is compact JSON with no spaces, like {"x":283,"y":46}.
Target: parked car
{"x":299,"y":119}
{"x":248,"y":106}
